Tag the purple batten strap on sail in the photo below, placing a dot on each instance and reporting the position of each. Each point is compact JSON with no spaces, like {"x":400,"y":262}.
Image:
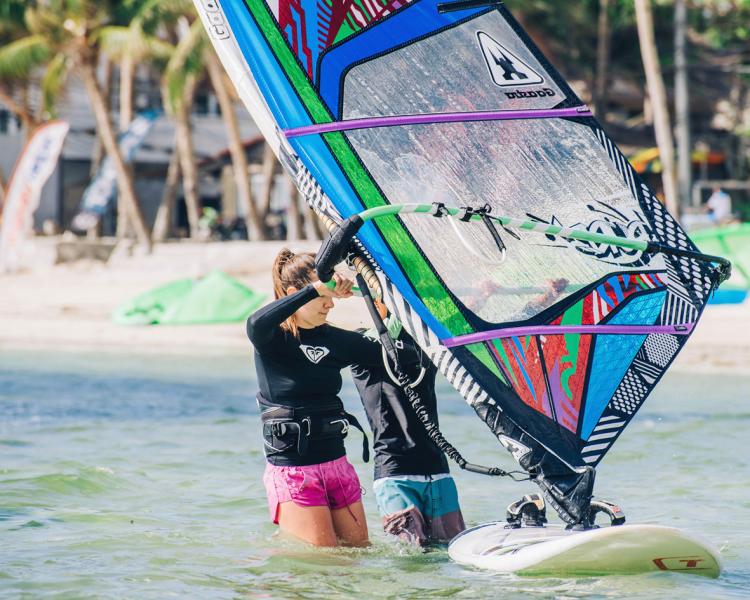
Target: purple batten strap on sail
{"x":484,"y":336}
{"x":457,"y":117}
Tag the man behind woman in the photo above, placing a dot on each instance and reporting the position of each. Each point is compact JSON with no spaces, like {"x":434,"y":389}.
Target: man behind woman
{"x":313,"y":491}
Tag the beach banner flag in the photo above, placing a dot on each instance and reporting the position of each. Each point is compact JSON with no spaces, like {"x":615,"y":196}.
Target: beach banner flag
{"x":100,"y":193}
{"x":36,"y":163}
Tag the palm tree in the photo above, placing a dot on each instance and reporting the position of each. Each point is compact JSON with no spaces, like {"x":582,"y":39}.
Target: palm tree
{"x":193,"y":56}
{"x":20,"y":57}
{"x":64,"y":39}
{"x":253,"y":219}
{"x":602,"y":61}
{"x":129,"y":45}
{"x":143,"y":39}
{"x":682,"y":104}
{"x":163,"y":221}
{"x":180,"y":79}
{"x":658,"y":95}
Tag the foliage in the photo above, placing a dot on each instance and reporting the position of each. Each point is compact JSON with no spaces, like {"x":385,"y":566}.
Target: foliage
{"x":20,"y":57}
{"x":185,"y":65}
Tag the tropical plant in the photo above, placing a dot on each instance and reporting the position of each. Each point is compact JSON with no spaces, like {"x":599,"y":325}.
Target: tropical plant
{"x":181,"y":76}
{"x":63,"y":39}
{"x":658,"y":96}
{"x":254,"y":221}
{"x":21,"y":56}
{"x":129,"y":42}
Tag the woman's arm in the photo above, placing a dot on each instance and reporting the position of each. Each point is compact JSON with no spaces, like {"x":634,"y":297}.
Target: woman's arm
{"x":263,"y":322}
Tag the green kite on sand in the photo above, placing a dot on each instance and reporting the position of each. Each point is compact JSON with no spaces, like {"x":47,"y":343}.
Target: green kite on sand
{"x":216,"y":298}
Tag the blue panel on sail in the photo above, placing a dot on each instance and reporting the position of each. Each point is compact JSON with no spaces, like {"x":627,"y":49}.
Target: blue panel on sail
{"x":614,"y":353}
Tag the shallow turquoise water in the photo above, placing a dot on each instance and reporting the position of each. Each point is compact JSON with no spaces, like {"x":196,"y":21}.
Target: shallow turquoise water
{"x":139,"y":477}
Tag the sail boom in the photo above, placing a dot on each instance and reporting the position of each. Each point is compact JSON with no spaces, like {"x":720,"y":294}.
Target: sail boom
{"x":508,"y":332}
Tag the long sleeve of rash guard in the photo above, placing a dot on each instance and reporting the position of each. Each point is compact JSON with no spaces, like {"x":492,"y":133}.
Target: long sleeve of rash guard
{"x":264,"y":321}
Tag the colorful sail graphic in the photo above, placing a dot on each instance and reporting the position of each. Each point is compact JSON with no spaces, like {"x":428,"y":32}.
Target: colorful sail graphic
{"x":397,"y":103}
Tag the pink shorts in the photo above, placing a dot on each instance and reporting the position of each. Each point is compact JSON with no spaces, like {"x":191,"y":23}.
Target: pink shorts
{"x":334,"y":484}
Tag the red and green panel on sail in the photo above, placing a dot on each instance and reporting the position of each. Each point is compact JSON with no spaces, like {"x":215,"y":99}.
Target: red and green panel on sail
{"x":551,"y":374}
{"x":311,"y":26}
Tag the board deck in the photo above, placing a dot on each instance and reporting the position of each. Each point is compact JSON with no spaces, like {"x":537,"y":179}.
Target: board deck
{"x":553,"y":550}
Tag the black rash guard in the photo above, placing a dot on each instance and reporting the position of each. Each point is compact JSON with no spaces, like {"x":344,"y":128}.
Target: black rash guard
{"x":401,"y":444}
{"x":305,"y":372}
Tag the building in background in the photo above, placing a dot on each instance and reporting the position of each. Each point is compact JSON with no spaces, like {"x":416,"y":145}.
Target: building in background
{"x":62,"y":194}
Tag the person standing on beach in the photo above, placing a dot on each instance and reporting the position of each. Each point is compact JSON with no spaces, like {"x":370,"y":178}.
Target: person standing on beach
{"x":313,"y":491}
{"x":415,"y":492}
{"x":719,"y":206}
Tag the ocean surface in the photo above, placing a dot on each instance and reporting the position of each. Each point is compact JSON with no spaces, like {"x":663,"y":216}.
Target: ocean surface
{"x":139,"y":477}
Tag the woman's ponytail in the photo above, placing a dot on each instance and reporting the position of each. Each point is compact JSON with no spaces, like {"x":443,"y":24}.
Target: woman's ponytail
{"x":291,"y":270}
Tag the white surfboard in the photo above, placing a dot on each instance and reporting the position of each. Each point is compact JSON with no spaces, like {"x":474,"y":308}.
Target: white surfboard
{"x":553,"y":550}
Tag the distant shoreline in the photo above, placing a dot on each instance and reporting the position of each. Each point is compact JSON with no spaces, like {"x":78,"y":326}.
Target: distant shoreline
{"x":68,"y":307}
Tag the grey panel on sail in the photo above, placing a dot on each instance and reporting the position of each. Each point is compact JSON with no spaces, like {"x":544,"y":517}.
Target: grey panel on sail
{"x":552,"y":169}
{"x":487,"y":67}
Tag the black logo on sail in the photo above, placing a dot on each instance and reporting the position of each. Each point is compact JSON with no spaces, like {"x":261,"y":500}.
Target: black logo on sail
{"x":506,"y":69}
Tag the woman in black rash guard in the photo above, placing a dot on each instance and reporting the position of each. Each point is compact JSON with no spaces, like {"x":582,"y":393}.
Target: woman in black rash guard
{"x":313,"y":491}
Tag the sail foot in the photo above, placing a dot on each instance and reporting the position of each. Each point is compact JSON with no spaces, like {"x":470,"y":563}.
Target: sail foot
{"x":570,"y":495}
{"x":569,"y":491}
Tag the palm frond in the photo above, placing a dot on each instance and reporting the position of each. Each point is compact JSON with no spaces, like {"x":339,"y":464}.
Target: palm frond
{"x":114,"y":40}
{"x":11,"y":18}
{"x":154,"y":13}
{"x":185,"y":64}
{"x":19,"y":58}
{"x":53,"y":82}
{"x":118,"y":42}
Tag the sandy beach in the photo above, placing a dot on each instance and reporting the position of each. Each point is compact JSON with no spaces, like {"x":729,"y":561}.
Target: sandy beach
{"x":68,"y":307}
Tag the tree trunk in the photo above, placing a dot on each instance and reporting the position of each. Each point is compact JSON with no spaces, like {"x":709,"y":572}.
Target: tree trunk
{"x":164,"y":216}
{"x":269,"y":168}
{"x":295,"y":227}
{"x":97,"y":156}
{"x":127,"y":74}
{"x":22,"y":111}
{"x":126,"y":189}
{"x":3,"y":190}
{"x":602,"y":62}
{"x":97,"y":153}
{"x":184,"y":143}
{"x":317,"y":224}
{"x":743,"y":140}
{"x":255,"y":228}
{"x":682,"y":105}
{"x":126,"y":116}
{"x":658,"y":94}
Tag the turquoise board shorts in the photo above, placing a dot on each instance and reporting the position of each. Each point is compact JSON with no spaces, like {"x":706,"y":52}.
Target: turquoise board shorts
{"x":420,"y":508}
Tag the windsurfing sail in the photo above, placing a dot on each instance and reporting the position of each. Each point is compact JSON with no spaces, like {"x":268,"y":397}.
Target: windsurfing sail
{"x":555,"y":341}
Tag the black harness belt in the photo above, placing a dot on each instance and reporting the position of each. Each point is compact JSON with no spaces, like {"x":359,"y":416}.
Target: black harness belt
{"x":284,"y":426}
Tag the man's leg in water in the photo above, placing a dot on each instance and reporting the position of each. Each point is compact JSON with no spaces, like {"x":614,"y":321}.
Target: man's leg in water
{"x":400,"y":504}
{"x":442,"y":511}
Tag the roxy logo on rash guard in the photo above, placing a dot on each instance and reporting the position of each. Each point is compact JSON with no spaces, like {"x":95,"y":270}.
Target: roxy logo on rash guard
{"x":314,"y":353}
